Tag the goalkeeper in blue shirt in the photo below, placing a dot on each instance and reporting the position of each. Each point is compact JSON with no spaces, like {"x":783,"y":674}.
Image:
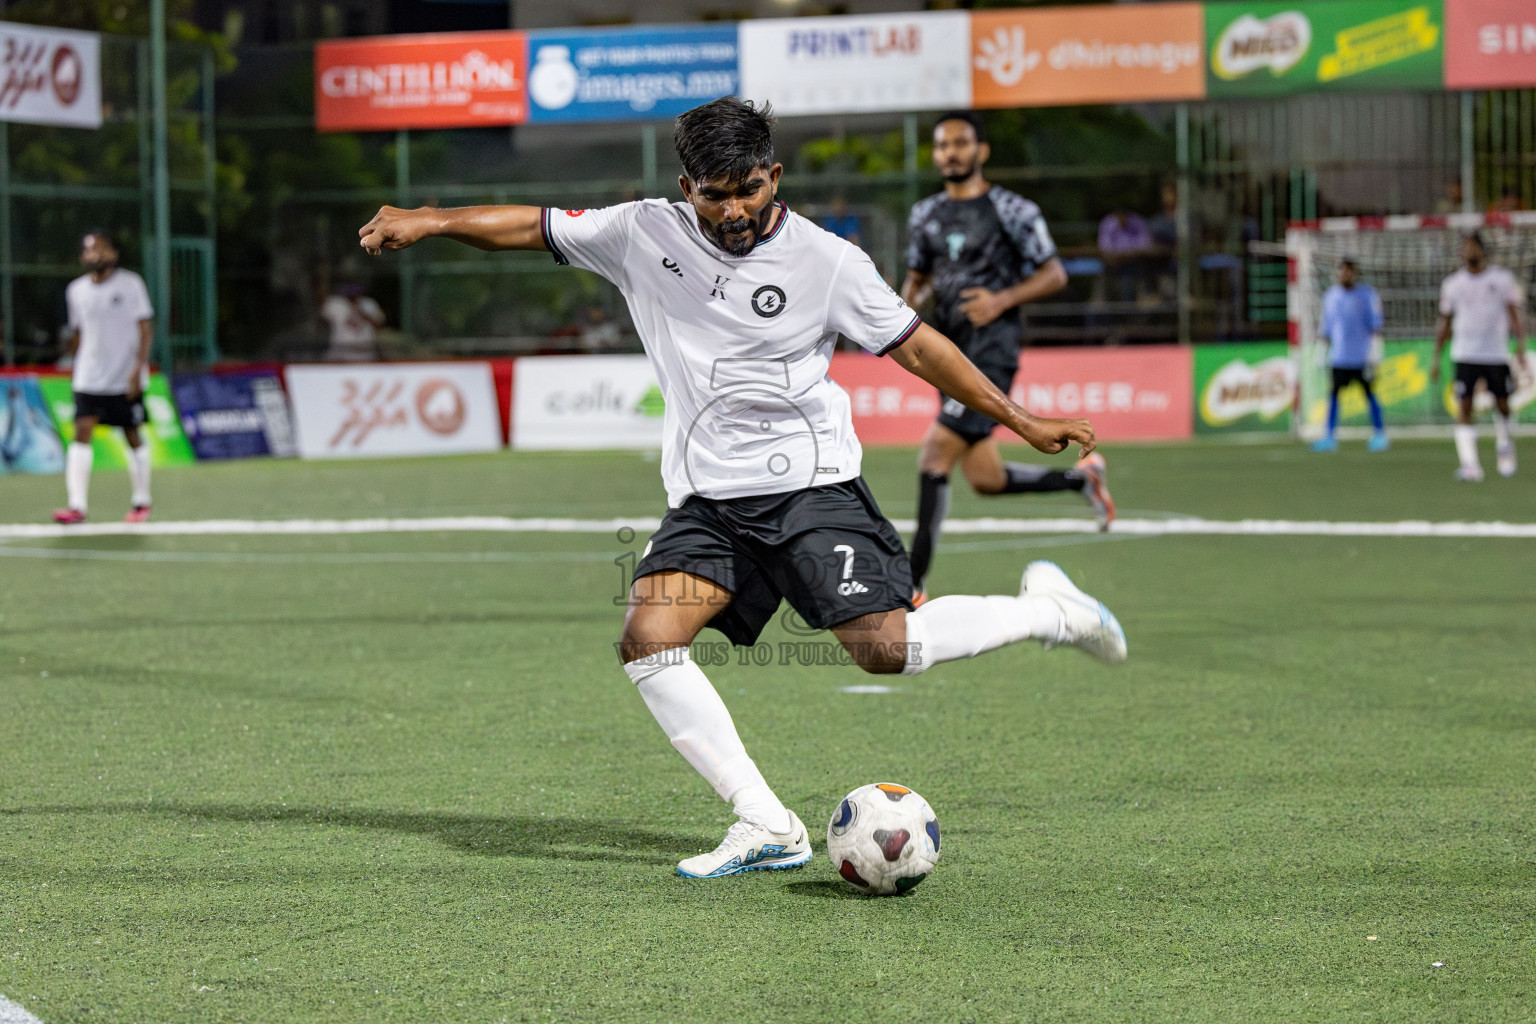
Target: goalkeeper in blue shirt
{"x":1351,"y":325}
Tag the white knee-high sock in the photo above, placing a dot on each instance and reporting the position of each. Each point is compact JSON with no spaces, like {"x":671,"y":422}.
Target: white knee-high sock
{"x":1501,"y":432}
{"x":959,"y":626}
{"x":1466,"y":445}
{"x":77,"y":474}
{"x":695,"y":719}
{"x":138,"y":474}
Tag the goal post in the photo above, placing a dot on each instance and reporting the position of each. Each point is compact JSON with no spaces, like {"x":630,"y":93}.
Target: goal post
{"x":1405,"y":258}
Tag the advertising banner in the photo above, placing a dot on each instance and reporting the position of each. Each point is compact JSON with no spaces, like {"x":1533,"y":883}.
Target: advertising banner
{"x":918,"y":61}
{"x":890,"y":406}
{"x":446,"y":80}
{"x":1242,"y":388}
{"x":1489,"y":44}
{"x":585,"y":402}
{"x":1111,"y":54}
{"x":50,"y":76}
{"x":1272,"y":49}
{"x":393,"y":409}
{"x":162,"y":433}
{"x":630,"y":74}
{"x":29,"y":442}
{"x":1407,"y":395}
{"x":1141,"y":393}
{"x":234,"y":415}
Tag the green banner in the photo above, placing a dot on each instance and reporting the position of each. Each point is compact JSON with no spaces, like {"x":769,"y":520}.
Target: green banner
{"x":1272,"y":49}
{"x":1406,"y":394}
{"x":168,"y":446}
{"x":1243,"y":387}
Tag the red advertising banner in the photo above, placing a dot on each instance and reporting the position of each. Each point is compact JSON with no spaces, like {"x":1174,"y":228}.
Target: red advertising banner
{"x":448,"y":80}
{"x":1489,"y":44}
{"x":1142,"y":393}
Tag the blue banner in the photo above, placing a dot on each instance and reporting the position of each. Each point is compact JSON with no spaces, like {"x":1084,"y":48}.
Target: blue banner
{"x":636,"y":74}
{"x":234,"y":415}
{"x":29,"y":442}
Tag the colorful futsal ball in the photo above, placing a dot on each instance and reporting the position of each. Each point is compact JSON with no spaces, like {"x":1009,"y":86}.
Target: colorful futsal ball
{"x":883,"y":839}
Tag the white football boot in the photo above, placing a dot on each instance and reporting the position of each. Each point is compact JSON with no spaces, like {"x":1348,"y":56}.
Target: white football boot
{"x":1089,"y":626}
{"x":751,"y":847}
{"x":1506,"y":460}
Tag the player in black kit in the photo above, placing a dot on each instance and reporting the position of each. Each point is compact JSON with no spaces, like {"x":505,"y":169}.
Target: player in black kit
{"x":979,"y":252}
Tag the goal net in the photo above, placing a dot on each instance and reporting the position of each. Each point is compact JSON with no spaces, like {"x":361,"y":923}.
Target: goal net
{"x":1405,"y":258}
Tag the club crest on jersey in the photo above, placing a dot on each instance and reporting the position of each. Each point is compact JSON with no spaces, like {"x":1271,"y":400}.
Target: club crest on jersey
{"x":718,"y":291}
{"x":956,"y":241}
{"x":768,"y":301}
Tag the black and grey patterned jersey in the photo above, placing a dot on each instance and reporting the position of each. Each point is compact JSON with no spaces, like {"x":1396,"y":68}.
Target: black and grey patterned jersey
{"x":993,"y":242}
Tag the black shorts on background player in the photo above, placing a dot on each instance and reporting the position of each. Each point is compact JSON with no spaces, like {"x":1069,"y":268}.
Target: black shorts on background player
{"x":1497,"y":377}
{"x":1344,"y":376}
{"x":110,"y":410}
{"x":826,"y":550}
{"x":971,"y":425}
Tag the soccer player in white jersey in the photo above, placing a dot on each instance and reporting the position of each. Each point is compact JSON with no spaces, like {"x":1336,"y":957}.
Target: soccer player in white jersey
{"x":1481,"y":305}
{"x":739,"y":303}
{"x":111,"y":325}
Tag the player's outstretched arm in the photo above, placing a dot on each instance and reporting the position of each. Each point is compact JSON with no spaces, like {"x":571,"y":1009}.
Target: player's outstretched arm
{"x":934,"y":358}
{"x":485,"y":227}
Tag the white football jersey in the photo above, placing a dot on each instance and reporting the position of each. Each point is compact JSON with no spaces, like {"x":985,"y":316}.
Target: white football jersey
{"x":740,"y":344}
{"x":1478,"y":305}
{"x":107,"y":316}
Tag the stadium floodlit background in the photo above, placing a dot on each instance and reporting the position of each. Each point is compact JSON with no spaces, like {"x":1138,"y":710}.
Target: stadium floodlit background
{"x":343,"y":738}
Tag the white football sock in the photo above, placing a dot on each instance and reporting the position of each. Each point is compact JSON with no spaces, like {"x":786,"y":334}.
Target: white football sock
{"x":960,"y":626}
{"x":138,"y":474}
{"x":695,"y":719}
{"x":77,"y":474}
{"x":1501,"y":431}
{"x":1466,"y":445}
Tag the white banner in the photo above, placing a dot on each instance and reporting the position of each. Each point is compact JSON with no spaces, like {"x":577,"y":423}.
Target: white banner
{"x":918,"y":61}
{"x":50,"y":76}
{"x":394,"y":409}
{"x":568,"y":402}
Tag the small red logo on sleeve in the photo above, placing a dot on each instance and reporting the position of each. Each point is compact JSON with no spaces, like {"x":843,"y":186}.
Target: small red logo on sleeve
{"x":574,"y":213}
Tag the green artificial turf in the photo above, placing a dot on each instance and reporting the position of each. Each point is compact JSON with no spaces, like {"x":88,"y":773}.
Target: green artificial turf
{"x":401,"y":777}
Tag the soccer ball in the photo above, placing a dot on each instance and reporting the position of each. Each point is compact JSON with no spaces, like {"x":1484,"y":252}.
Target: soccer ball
{"x":883,"y":839}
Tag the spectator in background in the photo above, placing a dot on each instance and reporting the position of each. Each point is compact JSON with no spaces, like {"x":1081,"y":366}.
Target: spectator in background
{"x":845,"y":225}
{"x":355,"y":320}
{"x":1508,"y":202}
{"x":1164,"y":227}
{"x":1124,"y":241}
{"x":1450,"y":200}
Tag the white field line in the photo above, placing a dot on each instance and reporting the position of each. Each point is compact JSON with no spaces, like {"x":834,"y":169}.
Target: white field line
{"x":12,"y":1013}
{"x":1184,"y":526}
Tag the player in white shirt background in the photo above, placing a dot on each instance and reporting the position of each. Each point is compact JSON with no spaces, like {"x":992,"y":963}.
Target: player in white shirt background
{"x":111,"y":327}
{"x":1481,"y":305}
{"x":739,"y":303}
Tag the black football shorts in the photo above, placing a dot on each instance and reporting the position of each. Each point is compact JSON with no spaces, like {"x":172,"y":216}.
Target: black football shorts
{"x":827,"y":550}
{"x":110,"y":410}
{"x":1497,"y":377}
{"x":969,"y":424}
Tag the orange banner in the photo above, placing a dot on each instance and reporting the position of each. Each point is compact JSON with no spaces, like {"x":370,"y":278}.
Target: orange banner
{"x":1057,"y":56}
{"x":451,"y":80}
